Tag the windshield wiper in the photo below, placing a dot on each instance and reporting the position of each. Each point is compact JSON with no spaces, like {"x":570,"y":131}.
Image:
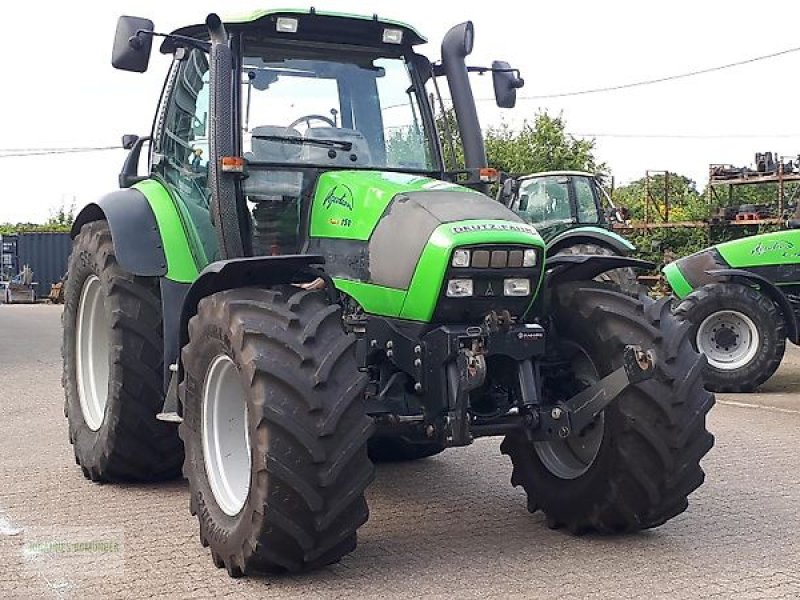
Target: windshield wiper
{"x":346,"y":146}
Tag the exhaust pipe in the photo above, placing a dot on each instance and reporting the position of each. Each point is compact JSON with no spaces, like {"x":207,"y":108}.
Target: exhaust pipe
{"x":456,"y":46}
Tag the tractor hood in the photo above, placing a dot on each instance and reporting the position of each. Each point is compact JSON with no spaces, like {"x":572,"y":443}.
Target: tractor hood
{"x":775,"y":256}
{"x":396,"y":232}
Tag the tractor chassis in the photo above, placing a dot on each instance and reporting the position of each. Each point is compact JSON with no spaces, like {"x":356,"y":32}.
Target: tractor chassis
{"x":435,"y":378}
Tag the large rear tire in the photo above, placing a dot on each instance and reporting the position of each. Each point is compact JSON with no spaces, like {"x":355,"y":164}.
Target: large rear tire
{"x":741,"y":332}
{"x":638,"y":471}
{"x":275,"y":430}
{"x":112,"y":351}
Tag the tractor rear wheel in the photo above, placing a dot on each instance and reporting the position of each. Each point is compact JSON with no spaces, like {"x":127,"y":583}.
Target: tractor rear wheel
{"x":275,"y":430}
{"x":112,"y":350}
{"x":624,"y":279}
{"x":634,"y":467}
{"x":741,"y":332}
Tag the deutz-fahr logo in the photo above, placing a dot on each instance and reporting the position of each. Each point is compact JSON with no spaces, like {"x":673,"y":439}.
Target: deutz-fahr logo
{"x":340,"y":194}
{"x":493,"y":227}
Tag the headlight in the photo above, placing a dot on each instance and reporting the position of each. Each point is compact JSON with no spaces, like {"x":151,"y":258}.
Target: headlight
{"x":459,"y":288}
{"x":517,"y":287}
{"x":529,"y":258}
{"x":461,"y":258}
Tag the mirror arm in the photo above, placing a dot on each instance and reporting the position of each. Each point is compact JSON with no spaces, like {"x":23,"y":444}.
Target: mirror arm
{"x":136,"y":43}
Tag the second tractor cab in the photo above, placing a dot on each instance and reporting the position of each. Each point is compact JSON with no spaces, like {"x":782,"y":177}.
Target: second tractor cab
{"x":299,"y":284}
{"x":573,"y":214}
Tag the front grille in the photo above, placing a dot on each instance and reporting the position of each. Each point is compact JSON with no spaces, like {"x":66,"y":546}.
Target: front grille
{"x":489,"y":267}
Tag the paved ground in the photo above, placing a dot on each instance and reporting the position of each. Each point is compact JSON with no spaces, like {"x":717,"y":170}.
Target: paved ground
{"x":447,"y":527}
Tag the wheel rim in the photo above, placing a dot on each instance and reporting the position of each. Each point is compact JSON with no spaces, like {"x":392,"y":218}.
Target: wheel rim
{"x":572,"y":457}
{"x":729,"y":339}
{"x":226,"y":442}
{"x":92,"y":352}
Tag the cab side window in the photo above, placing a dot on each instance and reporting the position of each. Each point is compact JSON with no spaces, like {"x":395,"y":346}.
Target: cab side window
{"x":181,"y":160}
{"x":585,"y":201}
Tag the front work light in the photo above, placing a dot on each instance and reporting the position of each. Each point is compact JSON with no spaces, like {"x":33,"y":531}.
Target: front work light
{"x":529,"y":258}
{"x":459,"y":288}
{"x":392,"y":36}
{"x":517,"y":287}
{"x":461,"y":258}
{"x":286,"y":25}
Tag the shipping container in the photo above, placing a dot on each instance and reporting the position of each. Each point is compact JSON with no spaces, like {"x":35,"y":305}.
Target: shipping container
{"x":8,"y":256}
{"x":47,"y":255}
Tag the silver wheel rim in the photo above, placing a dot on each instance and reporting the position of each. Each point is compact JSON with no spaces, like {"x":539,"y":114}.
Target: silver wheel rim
{"x":93,"y":352}
{"x":729,"y":339}
{"x":572,"y":457}
{"x":226,"y":442}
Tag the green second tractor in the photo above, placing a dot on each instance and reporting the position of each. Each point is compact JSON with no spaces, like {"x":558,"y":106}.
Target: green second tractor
{"x":297,"y":287}
{"x":574,"y":215}
{"x":742,"y":299}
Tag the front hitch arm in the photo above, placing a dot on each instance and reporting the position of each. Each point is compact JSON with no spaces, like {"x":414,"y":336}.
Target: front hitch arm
{"x":576,"y":413}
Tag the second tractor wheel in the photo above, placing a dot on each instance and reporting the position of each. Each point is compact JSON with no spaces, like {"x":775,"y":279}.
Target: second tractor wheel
{"x":275,"y":430}
{"x":741,"y":332}
{"x":624,"y":279}
{"x":635,"y":465}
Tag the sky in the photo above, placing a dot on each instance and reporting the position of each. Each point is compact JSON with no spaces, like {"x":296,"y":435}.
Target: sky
{"x":60,"y":90}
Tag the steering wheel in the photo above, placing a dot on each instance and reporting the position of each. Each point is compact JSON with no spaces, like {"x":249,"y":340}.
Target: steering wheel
{"x":308,"y":118}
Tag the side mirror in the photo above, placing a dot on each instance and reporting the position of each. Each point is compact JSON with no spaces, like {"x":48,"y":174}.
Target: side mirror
{"x":506,"y":83}
{"x":132,"y":44}
{"x":129,"y":140}
{"x":507,"y":191}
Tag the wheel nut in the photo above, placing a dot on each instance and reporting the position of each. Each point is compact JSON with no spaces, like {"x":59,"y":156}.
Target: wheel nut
{"x":418,"y":387}
{"x":390,"y":353}
{"x":563,"y":432}
{"x":556,"y":413}
{"x":417,"y":363}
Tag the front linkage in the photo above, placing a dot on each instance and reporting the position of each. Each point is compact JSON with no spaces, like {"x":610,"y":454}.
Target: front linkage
{"x":439,"y":376}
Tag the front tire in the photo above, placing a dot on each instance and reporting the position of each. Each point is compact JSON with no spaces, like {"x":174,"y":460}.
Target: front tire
{"x":741,"y":332}
{"x":277,"y":477}
{"x":112,"y":354}
{"x":636,"y":465}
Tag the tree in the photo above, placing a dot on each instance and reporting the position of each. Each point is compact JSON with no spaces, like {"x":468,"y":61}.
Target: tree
{"x":62,"y":216}
{"x":685,"y":202}
{"x":543,"y":146}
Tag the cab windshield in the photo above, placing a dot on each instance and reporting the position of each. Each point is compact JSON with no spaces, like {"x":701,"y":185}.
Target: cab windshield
{"x":355,"y":109}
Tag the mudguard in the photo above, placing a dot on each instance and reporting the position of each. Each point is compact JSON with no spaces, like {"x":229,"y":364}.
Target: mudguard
{"x":134,"y":231}
{"x":242,"y":272}
{"x":592,"y":235}
{"x":578,"y":267}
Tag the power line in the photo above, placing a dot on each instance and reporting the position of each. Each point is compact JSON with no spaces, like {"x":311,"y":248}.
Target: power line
{"x":23,"y":152}
{"x":624,"y":86}
{"x":687,"y":136}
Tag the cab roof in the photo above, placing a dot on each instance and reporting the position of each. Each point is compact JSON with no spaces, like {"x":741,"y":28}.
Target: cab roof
{"x":313,"y":25}
{"x":557,"y":174}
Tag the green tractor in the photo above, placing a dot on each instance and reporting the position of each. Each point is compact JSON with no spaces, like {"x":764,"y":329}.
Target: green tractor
{"x":573,"y":214}
{"x":743,"y":300}
{"x":297,"y":288}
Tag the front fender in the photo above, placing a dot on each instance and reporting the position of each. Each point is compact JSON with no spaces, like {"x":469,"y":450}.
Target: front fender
{"x":595,"y":235}
{"x":580,"y":267}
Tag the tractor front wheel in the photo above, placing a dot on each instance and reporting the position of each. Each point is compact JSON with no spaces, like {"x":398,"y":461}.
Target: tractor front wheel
{"x":275,"y":430}
{"x":635,"y":465}
{"x":741,"y":332}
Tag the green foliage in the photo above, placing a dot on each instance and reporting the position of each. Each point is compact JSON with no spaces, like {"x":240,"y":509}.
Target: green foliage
{"x":686,"y":203}
{"x":60,"y":219}
{"x":543,"y":146}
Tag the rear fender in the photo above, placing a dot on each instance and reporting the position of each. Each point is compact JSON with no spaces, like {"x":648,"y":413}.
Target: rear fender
{"x":591,"y":235}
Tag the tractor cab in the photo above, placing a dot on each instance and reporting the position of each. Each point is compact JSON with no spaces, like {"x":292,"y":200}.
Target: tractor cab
{"x":556,"y":201}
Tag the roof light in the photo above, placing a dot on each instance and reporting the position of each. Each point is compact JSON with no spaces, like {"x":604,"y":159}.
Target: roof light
{"x":392,"y":36}
{"x":286,"y":25}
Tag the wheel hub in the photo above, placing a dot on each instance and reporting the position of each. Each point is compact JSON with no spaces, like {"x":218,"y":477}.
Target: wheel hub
{"x":729,"y":339}
{"x":226,"y":441}
{"x":92,"y":352}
